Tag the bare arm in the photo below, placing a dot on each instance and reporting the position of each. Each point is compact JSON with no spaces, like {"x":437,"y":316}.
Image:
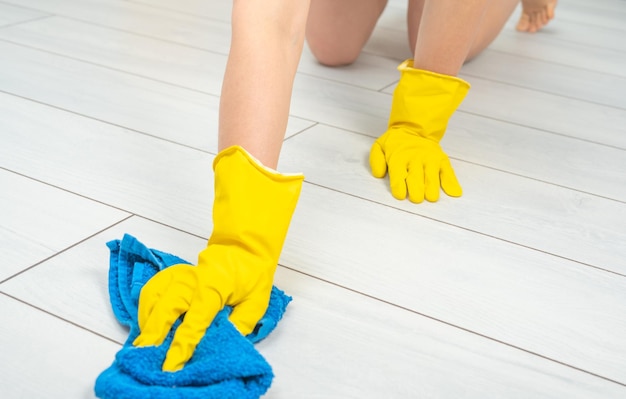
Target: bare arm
{"x":267,"y":40}
{"x":446,"y":33}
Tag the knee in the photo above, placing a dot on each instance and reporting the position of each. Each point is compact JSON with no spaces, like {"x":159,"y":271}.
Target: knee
{"x":331,"y":53}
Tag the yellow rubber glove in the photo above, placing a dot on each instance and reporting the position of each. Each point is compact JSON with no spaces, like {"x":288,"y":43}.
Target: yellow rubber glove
{"x":423,"y":102}
{"x":251,"y":215}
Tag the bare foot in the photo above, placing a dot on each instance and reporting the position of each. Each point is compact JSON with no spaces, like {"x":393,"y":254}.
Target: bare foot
{"x":535,"y":15}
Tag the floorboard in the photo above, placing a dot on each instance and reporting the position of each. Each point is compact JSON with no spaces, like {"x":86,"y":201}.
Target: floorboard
{"x":368,"y":345}
{"x":39,"y":229}
{"x":108,"y":125}
{"x":499,"y":201}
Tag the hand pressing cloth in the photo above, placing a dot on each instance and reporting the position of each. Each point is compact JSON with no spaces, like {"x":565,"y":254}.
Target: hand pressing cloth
{"x":224,"y":365}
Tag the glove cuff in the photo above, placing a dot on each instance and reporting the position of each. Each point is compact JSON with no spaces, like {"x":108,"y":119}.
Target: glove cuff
{"x":424,"y":101}
{"x":407,"y":66}
{"x":253,"y":204}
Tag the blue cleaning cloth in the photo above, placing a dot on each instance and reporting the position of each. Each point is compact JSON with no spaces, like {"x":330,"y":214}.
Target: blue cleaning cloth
{"x":224,"y":365}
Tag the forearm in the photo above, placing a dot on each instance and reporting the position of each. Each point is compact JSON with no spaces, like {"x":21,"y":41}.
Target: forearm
{"x":267,"y":40}
{"x":446,"y":33}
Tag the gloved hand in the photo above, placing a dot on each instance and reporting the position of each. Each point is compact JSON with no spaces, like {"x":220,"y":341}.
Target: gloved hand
{"x":409,"y":150}
{"x":251,"y":214}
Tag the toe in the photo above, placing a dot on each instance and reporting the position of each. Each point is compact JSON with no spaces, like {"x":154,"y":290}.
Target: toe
{"x":523,"y":23}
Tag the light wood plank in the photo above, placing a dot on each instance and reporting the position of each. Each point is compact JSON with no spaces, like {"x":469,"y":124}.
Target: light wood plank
{"x":592,"y":168}
{"x":362,"y":111}
{"x":608,"y":15}
{"x":528,"y":107}
{"x":80,"y":276}
{"x":563,"y":52}
{"x":151,"y":177}
{"x":394,"y":16}
{"x":342,"y":339}
{"x":168,"y":62}
{"x":368,"y":71}
{"x":45,"y":357}
{"x":561,"y":29}
{"x":545,"y":304}
{"x":219,"y":10}
{"x":599,"y":4}
{"x":546,"y":217}
{"x":155,"y":108}
{"x":11,"y":15}
{"x":333,"y":343}
{"x":500,"y":286}
{"x":353,"y":109}
{"x":39,"y":220}
{"x":340,"y":105}
{"x":148,"y":106}
{"x":141,"y":19}
{"x":566,"y":81}
{"x":163,"y":61}
{"x":389,"y":43}
{"x":544,"y":111}
{"x":597,"y":172}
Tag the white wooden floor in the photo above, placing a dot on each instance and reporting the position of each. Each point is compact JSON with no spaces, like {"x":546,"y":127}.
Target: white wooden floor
{"x":108,"y":117}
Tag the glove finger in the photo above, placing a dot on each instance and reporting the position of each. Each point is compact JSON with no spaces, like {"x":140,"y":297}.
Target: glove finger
{"x":415,"y":182}
{"x":378,"y":163}
{"x":449,"y":182}
{"x":246,"y":315}
{"x":397,"y":181}
{"x":155,"y":288}
{"x":151,"y":293}
{"x":159,"y":311}
{"x":431,"y":181}
{"x":204,"y":306}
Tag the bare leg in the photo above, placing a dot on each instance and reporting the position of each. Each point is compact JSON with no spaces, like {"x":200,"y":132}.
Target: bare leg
{"x":267,"y":40}
{"x":535,"y":15}
{"x":337,"y":30}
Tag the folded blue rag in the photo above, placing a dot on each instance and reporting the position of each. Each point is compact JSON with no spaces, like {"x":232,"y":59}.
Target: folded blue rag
{"x":224,"y":365}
